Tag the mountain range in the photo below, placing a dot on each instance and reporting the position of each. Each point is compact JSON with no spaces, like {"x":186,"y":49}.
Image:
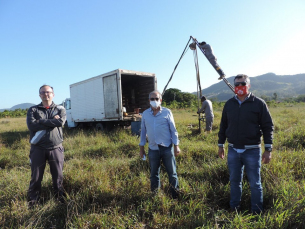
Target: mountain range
{"x":285,"y":86}
{"x":21,"y":106}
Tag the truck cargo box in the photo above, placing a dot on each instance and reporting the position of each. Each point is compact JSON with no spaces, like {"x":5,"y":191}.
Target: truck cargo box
{"x":119,"y":95}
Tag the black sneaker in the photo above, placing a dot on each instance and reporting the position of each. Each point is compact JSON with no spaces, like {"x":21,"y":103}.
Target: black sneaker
{"x":61,"y":199}
{"x":236,"y":209}
{"x":32,"y":204}
{"x":221,"y":77}
{"x":256,"y":212}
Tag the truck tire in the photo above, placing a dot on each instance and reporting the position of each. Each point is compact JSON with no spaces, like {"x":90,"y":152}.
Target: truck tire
{"x":99,"y":127}
{"x":110,"y":126}
{"x":66,"y":125}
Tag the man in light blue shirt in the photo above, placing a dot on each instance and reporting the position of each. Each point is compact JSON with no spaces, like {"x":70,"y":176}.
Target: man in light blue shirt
{"x":159,"y":126}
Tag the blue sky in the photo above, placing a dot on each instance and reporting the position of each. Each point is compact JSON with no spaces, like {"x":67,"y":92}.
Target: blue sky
{"x":63,"y":42}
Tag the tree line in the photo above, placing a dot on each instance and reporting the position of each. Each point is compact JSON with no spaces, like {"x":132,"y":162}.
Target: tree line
{"x":12,"y":114}
{"x":175,"y":99}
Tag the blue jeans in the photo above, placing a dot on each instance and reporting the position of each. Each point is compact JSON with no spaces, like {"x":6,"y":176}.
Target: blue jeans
{"x":167,"y":156}
{"x":251,"y":161}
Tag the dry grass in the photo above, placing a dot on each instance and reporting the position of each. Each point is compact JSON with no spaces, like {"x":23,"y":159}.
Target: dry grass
{"x":108,"y":185}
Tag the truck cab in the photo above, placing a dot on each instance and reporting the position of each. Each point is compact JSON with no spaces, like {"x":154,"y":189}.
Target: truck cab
{"x":69,"y":120}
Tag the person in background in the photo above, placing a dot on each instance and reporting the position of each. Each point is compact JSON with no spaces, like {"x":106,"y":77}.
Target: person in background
{"x":207,"y":108}
{"x":245,"y":118}
{"x":159,"y":126}
{"x":208,"y":52}
{"x":45,"y":122}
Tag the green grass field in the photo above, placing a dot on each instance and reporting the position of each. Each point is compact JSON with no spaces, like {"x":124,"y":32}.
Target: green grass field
{"x":108,"y":185}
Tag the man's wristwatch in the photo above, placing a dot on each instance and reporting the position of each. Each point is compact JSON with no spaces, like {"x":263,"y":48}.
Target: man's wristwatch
{"x":268,"y":149}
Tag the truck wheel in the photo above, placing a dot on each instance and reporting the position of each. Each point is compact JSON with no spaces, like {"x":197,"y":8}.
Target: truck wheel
{"x":66,"y":125}
{"x":110,"y":126}
{"x":99,"y":127}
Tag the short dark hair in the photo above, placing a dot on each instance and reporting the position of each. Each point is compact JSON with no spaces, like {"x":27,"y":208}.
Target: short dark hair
{"x":45,"y":85}
{"x":203,"y":98}
{"x":242,"y":76}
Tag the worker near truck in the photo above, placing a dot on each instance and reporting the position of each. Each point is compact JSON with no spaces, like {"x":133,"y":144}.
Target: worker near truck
{"x":245,"y":118}
{"x":207,"y":108}
{"x":45,"y":122}
{"x":159,"y":126}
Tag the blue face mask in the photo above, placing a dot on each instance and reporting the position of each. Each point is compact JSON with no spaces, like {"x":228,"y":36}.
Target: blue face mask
{"x":155,"y":104}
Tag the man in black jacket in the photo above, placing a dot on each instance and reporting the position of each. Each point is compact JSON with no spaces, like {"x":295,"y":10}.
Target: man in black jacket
{"x":245,"y":118}
{"x":45,"y":122}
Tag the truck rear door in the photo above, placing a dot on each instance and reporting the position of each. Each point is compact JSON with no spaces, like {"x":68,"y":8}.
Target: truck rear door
{"x":111,"y":96}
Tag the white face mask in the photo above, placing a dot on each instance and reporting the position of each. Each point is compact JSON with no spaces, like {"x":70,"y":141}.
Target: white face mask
{"x":155,"y":104}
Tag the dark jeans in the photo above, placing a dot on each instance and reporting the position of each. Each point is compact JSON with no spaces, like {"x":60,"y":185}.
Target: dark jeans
{"x":251,"y":161}
{"x":167,"y":156}
{"x":38,"y":157}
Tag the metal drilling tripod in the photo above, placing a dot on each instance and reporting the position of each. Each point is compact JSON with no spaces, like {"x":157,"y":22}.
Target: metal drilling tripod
{"x":208,"y":53}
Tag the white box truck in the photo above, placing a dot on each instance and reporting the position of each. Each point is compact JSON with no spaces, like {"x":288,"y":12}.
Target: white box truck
{"x":110,"y":99}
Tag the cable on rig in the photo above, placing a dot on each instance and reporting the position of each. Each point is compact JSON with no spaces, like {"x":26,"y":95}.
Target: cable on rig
{"x":199,"y":91}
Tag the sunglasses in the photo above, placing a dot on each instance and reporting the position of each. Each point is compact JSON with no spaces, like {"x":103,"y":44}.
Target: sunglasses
{"x":236,"y":84}
{"x":152,"y":99}
{"x":45,"y":92}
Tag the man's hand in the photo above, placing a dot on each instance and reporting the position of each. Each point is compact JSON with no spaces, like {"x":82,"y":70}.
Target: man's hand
{"x":57,"y":117}
{"x":266,"y":157}
{"x":221,"y":152}
{"x":176,"y":150}
{"x":142,"y":152}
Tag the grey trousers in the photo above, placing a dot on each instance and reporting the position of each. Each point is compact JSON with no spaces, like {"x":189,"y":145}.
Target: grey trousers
{"x":38,"y":158}
{"x":209,"y":123}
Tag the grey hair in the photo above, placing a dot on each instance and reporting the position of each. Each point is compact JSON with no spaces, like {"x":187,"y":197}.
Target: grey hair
{"x":242,"y":76}
{"x":155,"y":92}
{"x":45,"y":85}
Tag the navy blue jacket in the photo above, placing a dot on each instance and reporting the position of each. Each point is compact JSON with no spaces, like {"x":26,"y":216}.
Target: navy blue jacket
{"x":245,"y":124}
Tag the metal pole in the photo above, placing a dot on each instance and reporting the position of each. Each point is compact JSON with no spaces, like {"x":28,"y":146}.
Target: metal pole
{"x":199,"y":123}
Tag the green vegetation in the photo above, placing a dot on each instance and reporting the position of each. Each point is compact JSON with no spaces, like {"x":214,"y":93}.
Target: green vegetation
{"x":108,"y":185}
{"x":174,"y":98}
{"x":15,"y":113}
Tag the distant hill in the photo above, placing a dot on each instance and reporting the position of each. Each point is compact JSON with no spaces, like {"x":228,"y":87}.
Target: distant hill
{"x":266,"y":85}
{"x":19,"y":106}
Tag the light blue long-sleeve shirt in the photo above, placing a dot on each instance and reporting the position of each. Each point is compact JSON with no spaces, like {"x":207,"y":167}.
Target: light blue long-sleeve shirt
{"x":160,"y":129}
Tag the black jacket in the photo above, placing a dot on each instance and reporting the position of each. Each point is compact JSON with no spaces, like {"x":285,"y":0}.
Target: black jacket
{"x":245,"y":124}
{"x":40,"y":118}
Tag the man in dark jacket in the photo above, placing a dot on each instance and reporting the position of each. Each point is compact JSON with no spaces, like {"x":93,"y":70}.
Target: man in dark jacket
{"x":245,"y":118}
{"x":45,"y":122}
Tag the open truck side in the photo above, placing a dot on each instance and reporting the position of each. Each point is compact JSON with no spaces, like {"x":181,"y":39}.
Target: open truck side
{"x":110,"y":99}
